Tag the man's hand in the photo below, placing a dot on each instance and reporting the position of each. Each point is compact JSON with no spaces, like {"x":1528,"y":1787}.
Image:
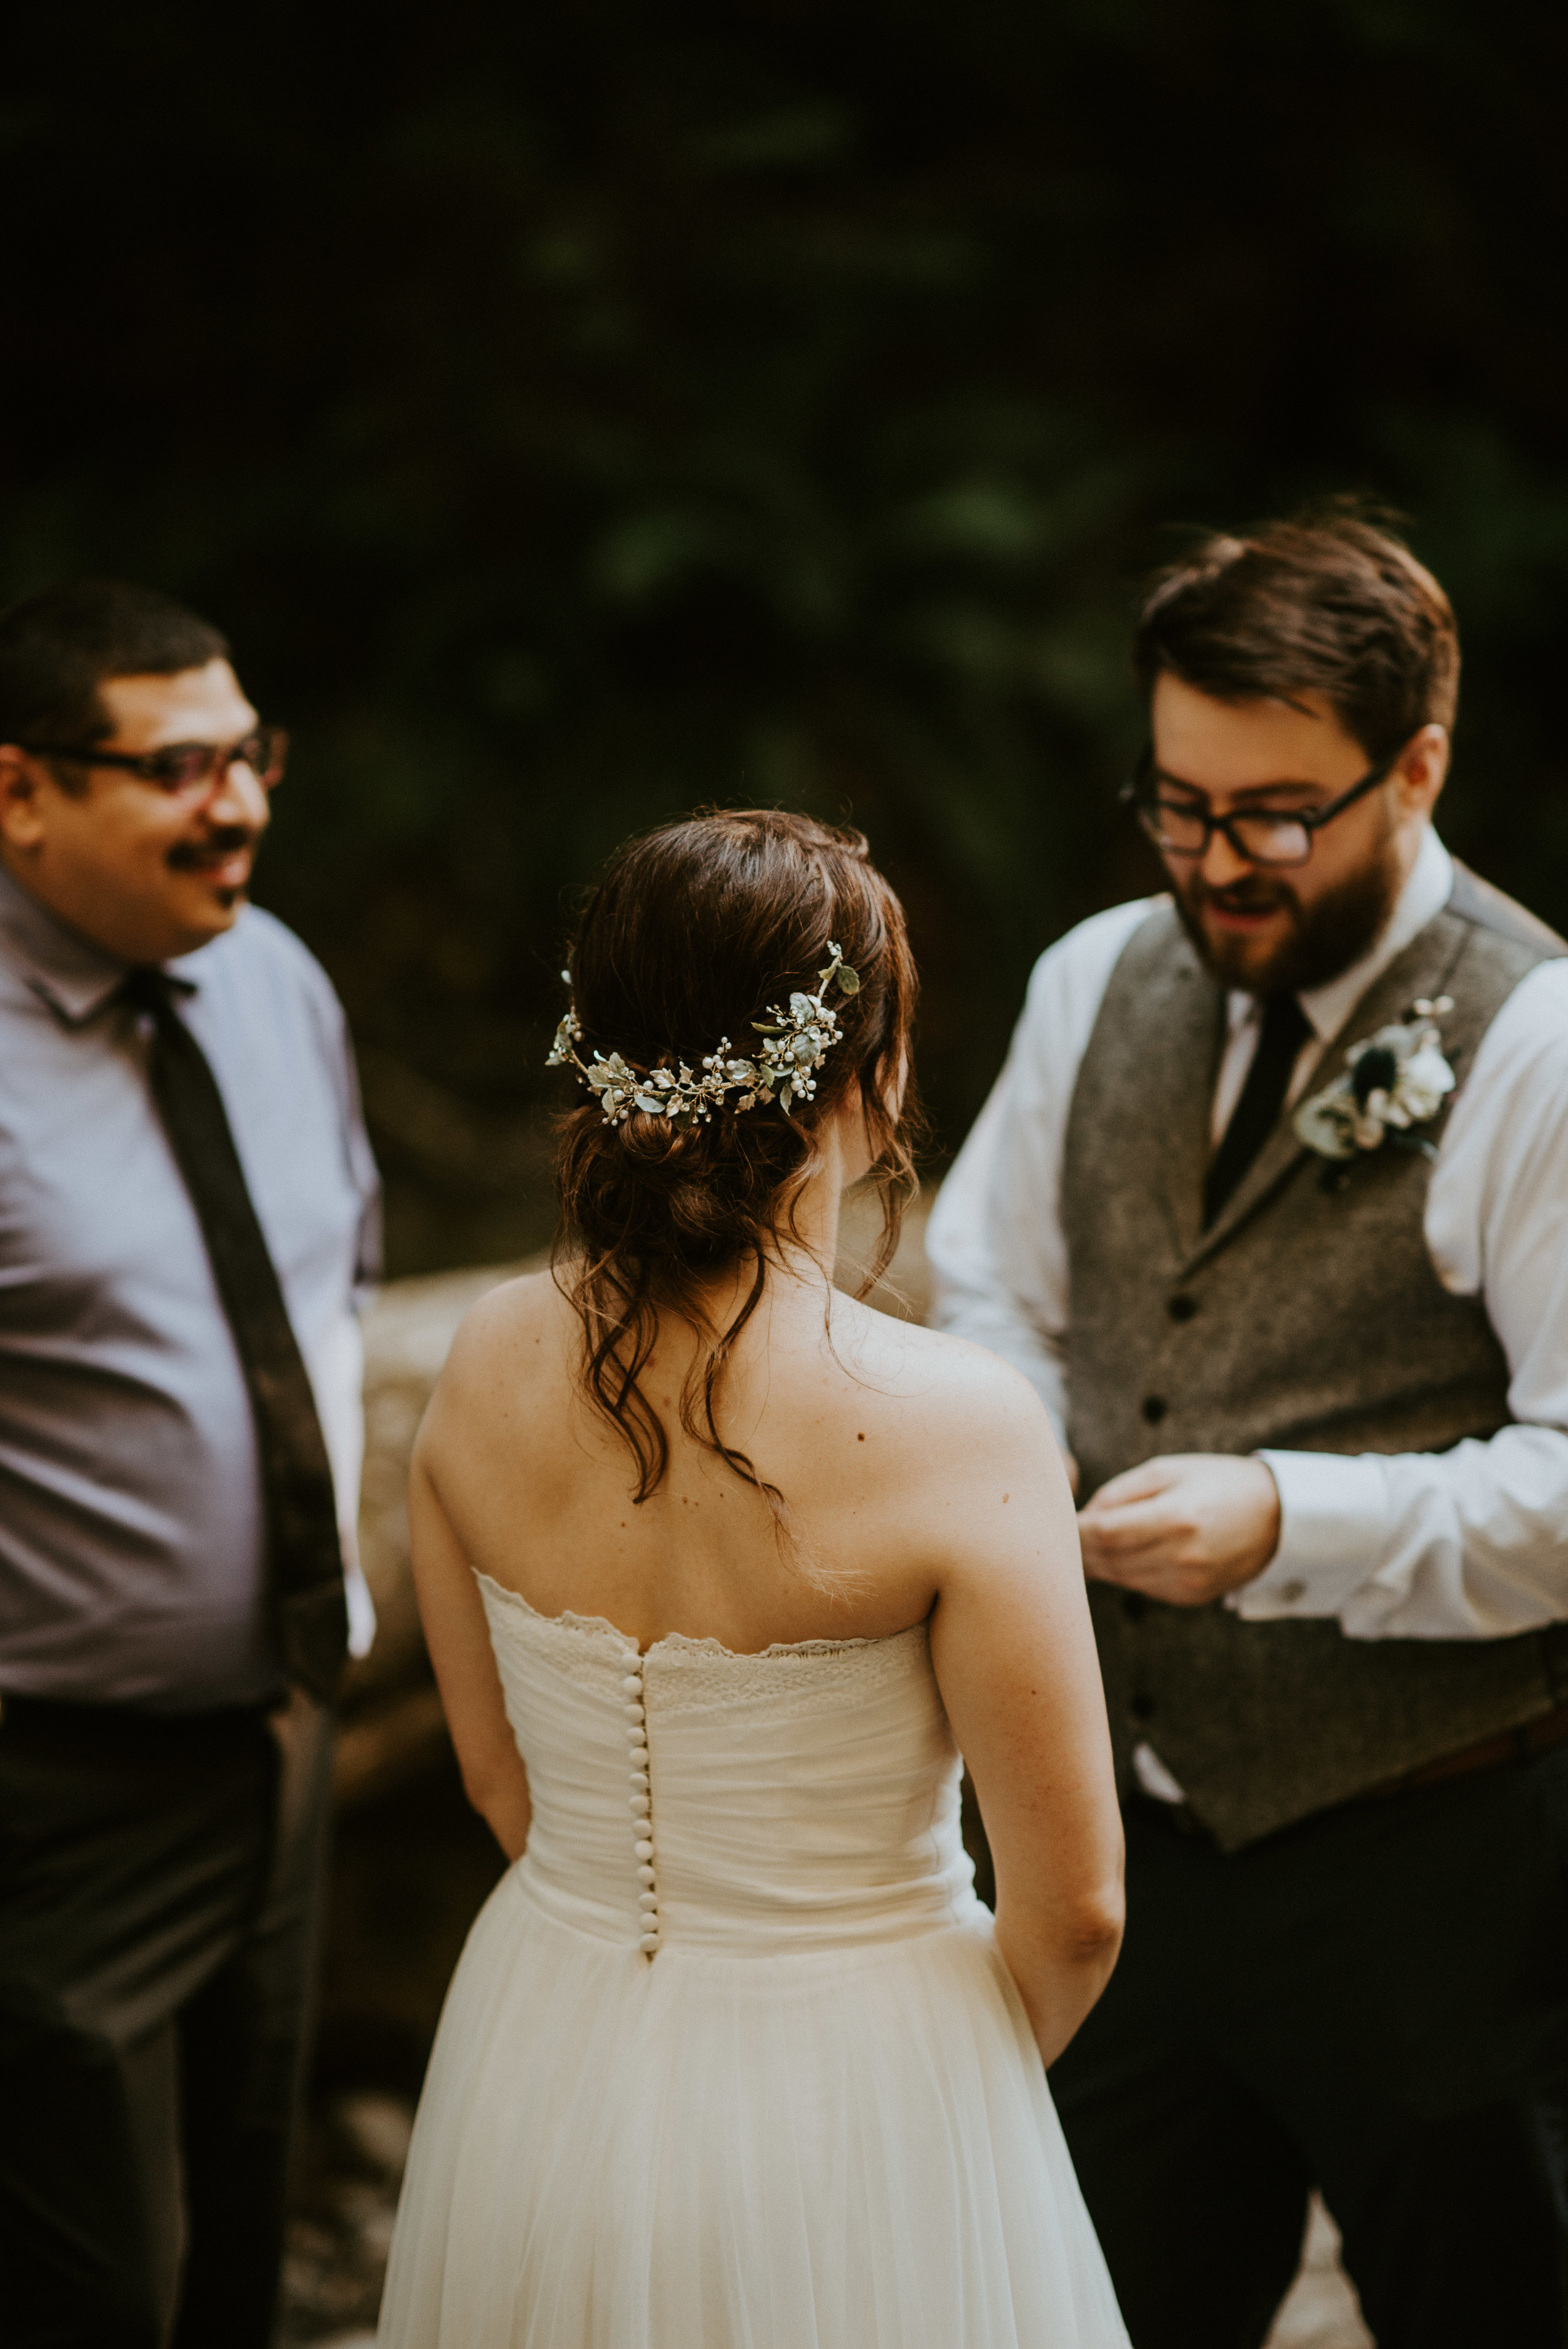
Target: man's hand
{"x":1185,"y":1528}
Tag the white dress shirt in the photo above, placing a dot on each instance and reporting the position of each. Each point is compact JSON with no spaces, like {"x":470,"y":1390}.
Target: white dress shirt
{"x":1469,"y":1544}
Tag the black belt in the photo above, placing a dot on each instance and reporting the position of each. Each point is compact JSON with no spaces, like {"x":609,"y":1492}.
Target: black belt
{"x":1520,"y":1744}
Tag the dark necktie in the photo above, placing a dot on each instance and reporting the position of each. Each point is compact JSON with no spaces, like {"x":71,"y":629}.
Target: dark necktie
{"x":305,"y":1552}
{"x":1286,"y":1028}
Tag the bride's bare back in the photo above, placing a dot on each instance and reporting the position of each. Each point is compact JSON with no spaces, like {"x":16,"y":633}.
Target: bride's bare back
{"x":880,"y":1437}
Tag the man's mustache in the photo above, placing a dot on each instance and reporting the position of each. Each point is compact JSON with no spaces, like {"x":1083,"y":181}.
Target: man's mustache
{"x":1253,"y":895}
{"x":192,"y":855}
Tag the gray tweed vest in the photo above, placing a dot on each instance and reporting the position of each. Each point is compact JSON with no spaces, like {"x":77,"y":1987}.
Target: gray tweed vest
{"x":1308,"y":1318}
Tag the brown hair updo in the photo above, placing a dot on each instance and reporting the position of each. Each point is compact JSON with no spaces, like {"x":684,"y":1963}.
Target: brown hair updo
{"x":691,"y":934}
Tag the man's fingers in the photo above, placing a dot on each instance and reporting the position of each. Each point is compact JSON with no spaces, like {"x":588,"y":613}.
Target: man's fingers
{"x":1156,"y":1571}
{"x":1148,"y":1557}
{"x":1127,"y":1573}
{"x":1185,"y":1528}
{"x":1139,"y":1484}
{"x":1150,"y":1572}
{"x":1137,"y":1524}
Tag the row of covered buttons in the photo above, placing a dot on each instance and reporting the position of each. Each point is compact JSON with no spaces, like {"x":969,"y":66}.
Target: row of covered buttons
{"x":642,"y":1807}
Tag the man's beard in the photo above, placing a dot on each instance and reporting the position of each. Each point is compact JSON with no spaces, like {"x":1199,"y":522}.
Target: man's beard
{"x":1324,"y":939}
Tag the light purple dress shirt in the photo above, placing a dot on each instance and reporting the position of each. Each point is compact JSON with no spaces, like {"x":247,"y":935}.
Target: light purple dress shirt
{"x":131,"y":1532}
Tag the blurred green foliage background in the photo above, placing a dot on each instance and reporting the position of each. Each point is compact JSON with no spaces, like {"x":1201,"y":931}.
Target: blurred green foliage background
{"x":577,"y":413}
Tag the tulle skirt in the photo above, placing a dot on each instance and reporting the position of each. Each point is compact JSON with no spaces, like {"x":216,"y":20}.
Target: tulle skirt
{"x":845,"y":2150}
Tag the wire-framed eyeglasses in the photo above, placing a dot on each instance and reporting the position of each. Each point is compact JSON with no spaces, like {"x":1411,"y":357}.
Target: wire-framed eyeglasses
{"x":1272,"y":836}
{"x":184,"y":770}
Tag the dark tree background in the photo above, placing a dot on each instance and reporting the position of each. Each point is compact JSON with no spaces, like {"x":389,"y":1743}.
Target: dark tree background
{"x":575,"y":413}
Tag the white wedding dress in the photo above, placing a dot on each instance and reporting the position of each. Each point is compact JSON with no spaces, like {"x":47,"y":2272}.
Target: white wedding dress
{"x":730,"y":2060}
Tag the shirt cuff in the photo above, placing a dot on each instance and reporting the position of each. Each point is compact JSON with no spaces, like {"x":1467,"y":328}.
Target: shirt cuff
{"x":361,"y":1609}
{"x":1334,"y":1510}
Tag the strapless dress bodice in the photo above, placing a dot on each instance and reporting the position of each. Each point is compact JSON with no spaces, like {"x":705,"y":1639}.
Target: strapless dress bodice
{"x":756,"y":1805}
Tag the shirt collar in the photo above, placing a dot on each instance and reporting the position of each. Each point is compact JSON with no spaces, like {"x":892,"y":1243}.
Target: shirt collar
{"x":74,"y":978}
{"x":1427,"y":890}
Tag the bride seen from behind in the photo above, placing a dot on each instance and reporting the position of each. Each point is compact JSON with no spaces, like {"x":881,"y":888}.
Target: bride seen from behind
{"x":737,"y":2056}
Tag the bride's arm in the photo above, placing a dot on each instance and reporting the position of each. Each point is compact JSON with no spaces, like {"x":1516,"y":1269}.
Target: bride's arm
{"x":1015,"y":1658}
{"x":457,"y":1636}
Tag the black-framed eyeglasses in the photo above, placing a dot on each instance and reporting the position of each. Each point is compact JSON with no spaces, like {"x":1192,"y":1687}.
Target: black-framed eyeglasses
{"x":1258,"y":835}
{"x":183,"y":767}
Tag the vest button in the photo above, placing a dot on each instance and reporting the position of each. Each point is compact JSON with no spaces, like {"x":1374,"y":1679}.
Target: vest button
{"x":1154,"y":1408}
{"x":1182,"y":1308}
{"x":1134,"y":1605}
{"x":1142,"y":1707}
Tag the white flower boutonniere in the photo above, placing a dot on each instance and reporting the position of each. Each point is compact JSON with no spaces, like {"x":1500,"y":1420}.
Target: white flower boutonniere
{"x":1393,"y":1080}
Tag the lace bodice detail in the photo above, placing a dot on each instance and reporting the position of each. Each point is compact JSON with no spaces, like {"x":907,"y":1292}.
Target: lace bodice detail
{"x":704,"y":1670}
{"x":792,"y":1799}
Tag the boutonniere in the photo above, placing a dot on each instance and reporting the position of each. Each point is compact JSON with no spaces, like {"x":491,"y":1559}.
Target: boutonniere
{"x":1393,"y":1080}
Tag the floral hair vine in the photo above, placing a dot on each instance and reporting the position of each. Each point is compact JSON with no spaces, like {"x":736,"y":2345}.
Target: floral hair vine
{"x":783,"y":1069}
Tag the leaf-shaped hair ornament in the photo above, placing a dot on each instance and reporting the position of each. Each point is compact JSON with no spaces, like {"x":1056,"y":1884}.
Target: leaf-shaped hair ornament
{"x":783,"y":1068}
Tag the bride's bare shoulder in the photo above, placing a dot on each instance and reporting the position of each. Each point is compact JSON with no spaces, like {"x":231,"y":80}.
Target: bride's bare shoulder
{"x":509,"y":1340}
{"x":933,"y":1386}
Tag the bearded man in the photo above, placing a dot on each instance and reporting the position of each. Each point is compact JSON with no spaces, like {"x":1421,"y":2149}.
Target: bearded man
{"x":1271,"y":1203}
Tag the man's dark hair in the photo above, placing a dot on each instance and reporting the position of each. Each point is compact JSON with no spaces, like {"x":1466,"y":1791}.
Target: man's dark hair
{"x":1331,"y":603}
{"x":57,"y":648}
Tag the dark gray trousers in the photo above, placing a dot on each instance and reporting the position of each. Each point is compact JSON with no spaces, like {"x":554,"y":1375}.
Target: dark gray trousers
{"x":160,"y":1883}
{"x":1374,"y":2002}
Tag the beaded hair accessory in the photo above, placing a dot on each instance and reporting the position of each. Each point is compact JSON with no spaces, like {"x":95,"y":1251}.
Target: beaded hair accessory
{"x":783,"y":1069}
